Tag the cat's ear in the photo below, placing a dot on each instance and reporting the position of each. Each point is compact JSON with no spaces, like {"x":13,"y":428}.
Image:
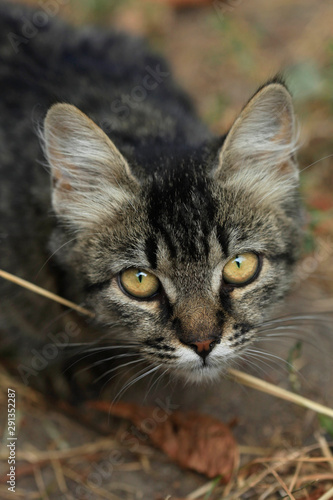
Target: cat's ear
{"x":258,"y":151}
{"x":89,"y":175}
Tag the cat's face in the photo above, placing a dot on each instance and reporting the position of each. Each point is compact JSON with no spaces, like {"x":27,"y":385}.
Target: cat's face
{"x":190,"y":261}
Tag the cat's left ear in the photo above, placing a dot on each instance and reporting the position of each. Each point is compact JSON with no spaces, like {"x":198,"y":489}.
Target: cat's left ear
{"x":90,"y":177}
{"x":259,"y":148}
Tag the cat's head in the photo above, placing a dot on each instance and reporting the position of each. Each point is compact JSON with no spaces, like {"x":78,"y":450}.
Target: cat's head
{"x":189,"y":261}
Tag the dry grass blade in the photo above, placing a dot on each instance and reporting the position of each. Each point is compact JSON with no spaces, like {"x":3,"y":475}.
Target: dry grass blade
{"x":58,"y":472}
{"x":325,"y":449}
{"x":199,"y":492}
{"x":40,"y":484}
{"x":38,"y":457}
{"x":44,"y":293}
{"x":328,"y":495}
{"x":273,"y":390}
{"x":93,"y":489}
{"x":236,"y":375}
{"x":283,"y":484}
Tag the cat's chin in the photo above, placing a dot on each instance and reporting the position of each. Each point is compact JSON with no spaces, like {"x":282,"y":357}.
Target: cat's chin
{"x":200,"y":374}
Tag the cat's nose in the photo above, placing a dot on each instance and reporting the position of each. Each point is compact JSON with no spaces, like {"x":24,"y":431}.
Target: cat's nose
{"x":203,"y":348}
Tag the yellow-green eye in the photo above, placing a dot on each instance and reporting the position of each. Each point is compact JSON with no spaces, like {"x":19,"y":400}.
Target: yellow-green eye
{"x":140,"y":284}
{"x":241,"y":268}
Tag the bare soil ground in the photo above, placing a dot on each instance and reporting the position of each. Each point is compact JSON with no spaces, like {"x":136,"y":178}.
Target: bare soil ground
{"x":220,"y":52}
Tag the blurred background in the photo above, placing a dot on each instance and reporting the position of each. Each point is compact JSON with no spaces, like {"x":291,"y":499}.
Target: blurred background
{"x":221,"y":52}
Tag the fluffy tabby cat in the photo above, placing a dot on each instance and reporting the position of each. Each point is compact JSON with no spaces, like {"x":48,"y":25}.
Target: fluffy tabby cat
{"x":182,"y":243}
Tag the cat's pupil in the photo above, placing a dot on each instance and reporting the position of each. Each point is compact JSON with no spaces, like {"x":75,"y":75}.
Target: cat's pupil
{"x":140,"y":275}
{"x":238,"y":261}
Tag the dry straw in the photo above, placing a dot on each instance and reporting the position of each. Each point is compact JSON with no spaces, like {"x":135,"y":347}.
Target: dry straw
{"x":238,"y":376}
{"x":45,"y":293}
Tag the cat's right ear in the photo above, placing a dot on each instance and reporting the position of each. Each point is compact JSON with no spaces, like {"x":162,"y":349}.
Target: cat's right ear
{"x":90,"y":177}
{"x":258,"y":152}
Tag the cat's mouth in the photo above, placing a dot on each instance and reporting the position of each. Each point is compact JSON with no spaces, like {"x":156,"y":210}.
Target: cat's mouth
{"x":194,"y":368}
{"x":200,"y":373}
{"x":197,"y":369}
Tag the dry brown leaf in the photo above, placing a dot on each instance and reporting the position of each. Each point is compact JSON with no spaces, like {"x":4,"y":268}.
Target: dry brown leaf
{"x":194,"y":441}
{"x":315,"y":495}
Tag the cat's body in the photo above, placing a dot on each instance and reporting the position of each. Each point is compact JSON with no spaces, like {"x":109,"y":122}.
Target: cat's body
{"x":165,"y":197}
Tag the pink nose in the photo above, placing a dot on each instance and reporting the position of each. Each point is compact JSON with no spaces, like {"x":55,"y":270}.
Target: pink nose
{"x":201,"y":347}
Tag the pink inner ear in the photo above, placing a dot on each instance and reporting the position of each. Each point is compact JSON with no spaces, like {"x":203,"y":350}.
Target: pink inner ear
{"x":264,"y":131}
{"x":285,"y":132}
{"x":61,"y":174}
{"x":64,"y":186}
{"x":286,"y":167}
{"x":60,"y":181}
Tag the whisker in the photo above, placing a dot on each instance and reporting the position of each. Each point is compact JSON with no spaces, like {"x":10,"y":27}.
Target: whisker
{"x":80,"y":344}
{"x":121,"y":367}
{"x":52,"y":255}
{"x":116,"y":368}
{"x":158,"y":379}
{"x":104,"y":360}
{"x":260,"y":369}
{"x":278,"y":326}
{"x":288,"y":333}
{"x":263,"y":359}
{"x":95,"y":350}
{"x":260,"y":353}
{"x":140,"y":376}
{"x":279,"y":337}
{"x":266,"y":353}
{"x":108,"y":348}
{"x":99,"y":343}
{"x":277,"y":360}
{"x":316,"y":318}
{"x":315,"y":162}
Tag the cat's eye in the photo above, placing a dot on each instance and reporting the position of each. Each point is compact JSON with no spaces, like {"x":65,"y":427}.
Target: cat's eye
{"x":139,"y":284}
{"x":241,"y":269}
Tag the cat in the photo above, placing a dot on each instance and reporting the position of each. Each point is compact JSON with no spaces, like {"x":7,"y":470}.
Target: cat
{"x":115,"y":195}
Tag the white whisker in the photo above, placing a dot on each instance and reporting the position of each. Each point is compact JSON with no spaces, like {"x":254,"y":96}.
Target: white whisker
{"x":53,"y":254}
{"x":140,"y":376}
{"x":117,"y":368}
